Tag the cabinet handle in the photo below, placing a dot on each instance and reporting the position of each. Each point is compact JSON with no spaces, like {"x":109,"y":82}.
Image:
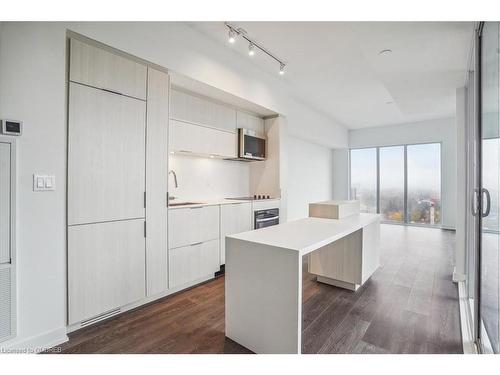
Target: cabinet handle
{"x":196,"y":208}
{"x":197,"y":243}
{"x":112,"y":91}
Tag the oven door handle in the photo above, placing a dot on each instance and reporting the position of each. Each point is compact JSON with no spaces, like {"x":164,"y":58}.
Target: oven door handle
{"x":267,"y":219}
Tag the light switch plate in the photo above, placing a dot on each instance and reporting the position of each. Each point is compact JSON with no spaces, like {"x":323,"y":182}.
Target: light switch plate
{"x":44,"y":182}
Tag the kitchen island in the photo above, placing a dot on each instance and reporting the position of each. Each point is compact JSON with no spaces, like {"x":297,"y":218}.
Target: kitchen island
{"x":263,"y":294}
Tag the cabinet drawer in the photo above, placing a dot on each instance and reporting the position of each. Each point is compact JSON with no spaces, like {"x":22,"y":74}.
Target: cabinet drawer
{"x":191,"y":263}
{"x":105,"y":70}
{"x":187,"y":226}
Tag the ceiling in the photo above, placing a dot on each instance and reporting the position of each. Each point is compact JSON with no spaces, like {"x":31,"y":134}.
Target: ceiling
{"x":336,"y":68}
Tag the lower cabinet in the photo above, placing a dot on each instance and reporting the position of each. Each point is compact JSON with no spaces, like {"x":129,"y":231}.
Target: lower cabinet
{"x":234,"y":218}
{"x":106,"y":267}
{"x":193,"y":262}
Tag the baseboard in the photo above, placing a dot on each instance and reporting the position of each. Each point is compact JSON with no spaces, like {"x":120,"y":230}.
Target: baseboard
{"x":466,"y":324}
{"x":35,"y":344}
{"x":457,"y":276}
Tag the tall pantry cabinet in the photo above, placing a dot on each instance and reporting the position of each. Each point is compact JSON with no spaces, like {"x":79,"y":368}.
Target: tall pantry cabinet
{"x":117,"y":182}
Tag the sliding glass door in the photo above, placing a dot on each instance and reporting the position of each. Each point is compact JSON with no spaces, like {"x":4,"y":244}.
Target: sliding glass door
{"x":403,"y":183}
{"x":489,"y":249}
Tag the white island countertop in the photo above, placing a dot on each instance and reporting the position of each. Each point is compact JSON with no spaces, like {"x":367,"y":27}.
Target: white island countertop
{"x":308,"y":234}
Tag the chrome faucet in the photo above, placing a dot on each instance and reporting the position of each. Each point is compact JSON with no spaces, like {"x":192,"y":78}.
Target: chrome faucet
{"x":175,"y":178}
{"x":170,"y":198}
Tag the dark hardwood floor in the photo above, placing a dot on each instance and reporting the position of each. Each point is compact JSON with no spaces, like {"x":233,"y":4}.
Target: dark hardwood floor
{"x":410,"y":305}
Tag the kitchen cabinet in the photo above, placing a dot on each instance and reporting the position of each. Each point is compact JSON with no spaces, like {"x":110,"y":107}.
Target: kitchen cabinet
{"x":187,"y":226}
{"x":193,"y":263}
{"x":106,"y":267}
{"x":200,"y":140}
{"x":248,"y":121}
{"x":106,"y":158}
{"x":234,"y":218}
{"x":157,"y":182}
{"x":201,"y":111}
{"x":102,"y":69}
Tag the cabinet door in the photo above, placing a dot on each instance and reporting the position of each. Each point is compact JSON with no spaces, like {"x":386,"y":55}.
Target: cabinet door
{"x":106,"y":267}
{"x":106,"y":158}
{"x":188,"y":226}
{"x":234,"y":218}
{"x":189,"y":264}
{"x":200,"y":140}
{"x":197,"y":110}
{"x":5,"y":193}
{"x":156,"y":182}
{"x":248,"y":121}
{"x":102,"y":69}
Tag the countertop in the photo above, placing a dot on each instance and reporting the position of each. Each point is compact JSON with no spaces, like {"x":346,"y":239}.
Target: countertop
{"x":309,"y":234}
{"x":215,"y":202}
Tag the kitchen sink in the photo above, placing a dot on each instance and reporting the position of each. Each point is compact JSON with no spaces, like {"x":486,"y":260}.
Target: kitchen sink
{"x":182,"y":204}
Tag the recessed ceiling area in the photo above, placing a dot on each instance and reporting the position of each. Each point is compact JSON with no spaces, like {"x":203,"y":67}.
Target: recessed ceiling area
{"x":362,"y":74}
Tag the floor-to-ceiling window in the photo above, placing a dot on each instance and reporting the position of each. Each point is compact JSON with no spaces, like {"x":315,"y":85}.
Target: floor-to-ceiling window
{"x":364,"y":178}
{"x":392,"y":183}
{"x":424,"y":183}
{"x":402,"y":182}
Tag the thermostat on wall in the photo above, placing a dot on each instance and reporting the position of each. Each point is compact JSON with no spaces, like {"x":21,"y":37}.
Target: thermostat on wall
{"x":11,"y":127}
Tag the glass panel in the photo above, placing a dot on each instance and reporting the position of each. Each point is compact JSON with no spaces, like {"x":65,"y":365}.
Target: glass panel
{"x":364,"y":178}
{"x":392,"y":182}
{"x":490,"y":164}
{"x":424,"y":183}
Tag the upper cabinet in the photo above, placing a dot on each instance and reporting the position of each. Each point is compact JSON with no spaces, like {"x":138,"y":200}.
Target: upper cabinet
{"x":105,"y":70}
{"x":200,"y":111}
{"x":249,"y":121}
{"x":200,"y":140}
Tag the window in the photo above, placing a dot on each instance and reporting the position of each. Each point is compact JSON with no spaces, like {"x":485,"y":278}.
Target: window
{"x":364,"y":178}
{"x":403,"y":183}
{"x":392,"y":183}
{"x":424,"y":183}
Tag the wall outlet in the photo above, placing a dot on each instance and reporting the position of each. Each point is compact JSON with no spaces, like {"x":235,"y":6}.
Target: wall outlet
{"x":44,"y":182}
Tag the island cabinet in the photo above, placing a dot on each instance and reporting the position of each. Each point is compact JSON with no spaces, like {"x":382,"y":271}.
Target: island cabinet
{"x":234,"y":218}
{"x":193,"y":251}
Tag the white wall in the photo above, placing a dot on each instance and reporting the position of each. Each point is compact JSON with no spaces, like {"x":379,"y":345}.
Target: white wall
{"x":440,"y":130}
{"x":208,"y":179}
{"x":33,"y":89}
{"x":310,"y":172}
{"x":341,"y":174}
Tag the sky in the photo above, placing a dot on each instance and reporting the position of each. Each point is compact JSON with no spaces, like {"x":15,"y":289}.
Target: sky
{"x":424,"y":167}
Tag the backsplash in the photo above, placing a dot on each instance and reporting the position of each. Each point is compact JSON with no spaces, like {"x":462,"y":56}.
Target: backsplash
{"x":201,"y":178}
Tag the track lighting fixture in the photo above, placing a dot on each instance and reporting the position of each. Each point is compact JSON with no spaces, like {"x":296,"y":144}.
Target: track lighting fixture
{"x":234,"y":31}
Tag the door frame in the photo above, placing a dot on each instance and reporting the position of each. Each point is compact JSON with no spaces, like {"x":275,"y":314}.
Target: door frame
{"x":13,"y":233}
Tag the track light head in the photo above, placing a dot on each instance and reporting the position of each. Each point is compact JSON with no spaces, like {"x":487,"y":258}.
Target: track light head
{"x":231,"y":36}
{"x":282,"y":69}
{"x":251,"y":49}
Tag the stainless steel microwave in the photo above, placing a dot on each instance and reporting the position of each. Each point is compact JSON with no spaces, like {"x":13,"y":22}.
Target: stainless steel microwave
{"x":251,"y":146}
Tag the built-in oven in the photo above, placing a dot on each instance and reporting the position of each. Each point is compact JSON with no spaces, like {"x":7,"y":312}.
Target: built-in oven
{"x":251,"y":146}
{"x":266,"y":218}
